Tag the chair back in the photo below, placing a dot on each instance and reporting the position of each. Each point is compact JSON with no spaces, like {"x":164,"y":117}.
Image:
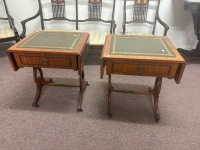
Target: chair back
{"x":97,"y":13}
{"x":56,"y":10}
{"x":142,"y":13}
{"x":52,"y":13}
{"x":8,"y":31}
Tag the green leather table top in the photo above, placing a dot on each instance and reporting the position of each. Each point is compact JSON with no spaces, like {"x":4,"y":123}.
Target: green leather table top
{"x":52,"y":40}
{"x":141,"y":46}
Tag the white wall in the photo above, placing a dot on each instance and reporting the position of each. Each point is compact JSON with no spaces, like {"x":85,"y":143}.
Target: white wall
{"x":181,"y":31}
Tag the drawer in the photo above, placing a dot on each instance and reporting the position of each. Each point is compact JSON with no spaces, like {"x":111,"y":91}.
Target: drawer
{"x":49,"y":61}
{"x":145,"y":69}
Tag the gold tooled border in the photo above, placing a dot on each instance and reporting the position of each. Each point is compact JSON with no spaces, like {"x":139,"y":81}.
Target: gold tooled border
{"x":113,"y":50}
{"x":70,"y":47}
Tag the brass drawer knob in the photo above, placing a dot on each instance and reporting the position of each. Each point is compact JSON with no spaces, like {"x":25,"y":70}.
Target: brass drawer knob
{"x":140,"y":69}
{"x":45,"y":61}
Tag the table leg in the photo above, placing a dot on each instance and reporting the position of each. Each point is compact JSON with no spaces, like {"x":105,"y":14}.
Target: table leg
{"x":40,"y":82}
{"x":109,"y":96}
{"x":157,"y":89}
{"x":83,"y":85}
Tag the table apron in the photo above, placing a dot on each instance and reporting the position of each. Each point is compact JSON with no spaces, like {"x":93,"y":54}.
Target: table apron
{"x":157,"y":69}
{"x":46,"y":60}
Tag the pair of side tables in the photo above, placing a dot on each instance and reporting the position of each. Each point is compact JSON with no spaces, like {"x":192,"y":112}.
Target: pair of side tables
{"x":153,"y":56}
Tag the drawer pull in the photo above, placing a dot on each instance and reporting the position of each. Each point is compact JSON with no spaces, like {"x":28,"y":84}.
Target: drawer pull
{"x":140,"y":69}
{"x":45,"y":61}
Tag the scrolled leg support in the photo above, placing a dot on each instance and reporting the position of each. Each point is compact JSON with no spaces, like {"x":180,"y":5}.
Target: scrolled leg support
{"x":83,"y":85}
{"x":109,"y":113}
{"x":40,"y":82}
{"x":157,"y":89}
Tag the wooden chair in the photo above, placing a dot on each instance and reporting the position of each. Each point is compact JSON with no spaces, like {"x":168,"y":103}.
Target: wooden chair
{"x":142,"y":13}
{"x":98,"y":20}
{"x":9,"y":31}
{"x":55,"y":12}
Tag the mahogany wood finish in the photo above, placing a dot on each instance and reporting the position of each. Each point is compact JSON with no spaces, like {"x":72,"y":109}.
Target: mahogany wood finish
{"x":154,"y":66}
{"x":39,"y":58}
{"x":40,"y":82}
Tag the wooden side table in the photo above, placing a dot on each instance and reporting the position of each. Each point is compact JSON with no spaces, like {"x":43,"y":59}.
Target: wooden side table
{"x":142,"y":56}
{"x":51,"y":49}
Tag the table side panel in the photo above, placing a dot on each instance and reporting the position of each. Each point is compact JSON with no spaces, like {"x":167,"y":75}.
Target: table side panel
{"x":12,"y":61}
{"x":46,"y":61}
{"x":179,"y":72}
{"x":82,"y":58}
{"x":102,"y":67}
{"x":85,"y":52}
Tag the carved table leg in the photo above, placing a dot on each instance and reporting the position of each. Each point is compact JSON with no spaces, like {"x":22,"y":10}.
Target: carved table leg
{"x":109,"y":96}
{"x":83,"y":85}
{"x":157,"y":89}
{"x":40,"y":82}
